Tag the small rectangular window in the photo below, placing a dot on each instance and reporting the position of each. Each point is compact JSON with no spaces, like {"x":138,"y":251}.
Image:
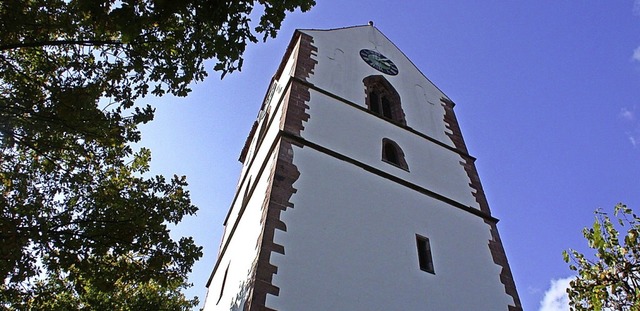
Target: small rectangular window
{"x":424,"y":254}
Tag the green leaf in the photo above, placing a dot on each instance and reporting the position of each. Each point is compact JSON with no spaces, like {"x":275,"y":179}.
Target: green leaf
{"x":610,"y":280}
{"x":86,"y":225}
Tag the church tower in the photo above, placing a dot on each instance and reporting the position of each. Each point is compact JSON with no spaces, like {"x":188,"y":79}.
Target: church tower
{"x":357,"y":192}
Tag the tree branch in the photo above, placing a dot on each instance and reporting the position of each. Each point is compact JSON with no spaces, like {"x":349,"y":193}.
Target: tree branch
{"x":59,"y":42}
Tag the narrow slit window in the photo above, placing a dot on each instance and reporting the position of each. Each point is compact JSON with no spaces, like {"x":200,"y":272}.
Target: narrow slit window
{"x":224,"y":280}
{"x":425,"y":259}
{"x":245,"y":198}
{"x":263,"y":129}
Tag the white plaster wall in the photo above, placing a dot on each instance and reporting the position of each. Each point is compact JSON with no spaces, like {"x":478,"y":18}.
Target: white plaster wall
{"x":274,"y":108}
{"x":350,"y":239}
{"x":350,"y":245}
{"x":252,"y":168}
{"x":240,"y":254}
{"x":257,"y":154}
{"x":349,"y":131}
{"x":340,"y":70}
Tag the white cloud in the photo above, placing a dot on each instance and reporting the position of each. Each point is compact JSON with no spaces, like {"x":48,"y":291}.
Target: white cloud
{"x":636,"y":7}
{"x":636,"y":54}
{"x":533,"y":290}
{"x":627,"y":114}
{"x":555,"y":298}
{"x":633,"y":127}
{"x":633,"y":139}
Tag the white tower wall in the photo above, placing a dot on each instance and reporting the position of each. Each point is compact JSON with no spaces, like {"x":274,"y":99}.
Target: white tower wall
{"x":324,"y":220}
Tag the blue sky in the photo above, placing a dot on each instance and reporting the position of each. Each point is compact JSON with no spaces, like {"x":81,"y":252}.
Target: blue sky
{"x":548,"y":99}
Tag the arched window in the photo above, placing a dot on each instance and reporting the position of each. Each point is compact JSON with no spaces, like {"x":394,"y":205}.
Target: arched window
{"x":393,"y":154}
{"x":382,"y":99}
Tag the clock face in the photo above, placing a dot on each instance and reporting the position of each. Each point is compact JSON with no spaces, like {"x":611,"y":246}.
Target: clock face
{"x":379,"y":62}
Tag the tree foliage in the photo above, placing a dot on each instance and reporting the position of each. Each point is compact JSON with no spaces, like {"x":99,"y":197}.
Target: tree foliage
{"x":57,"y":292}
{"x":611,"y":280}
{"x":77,"y":207}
